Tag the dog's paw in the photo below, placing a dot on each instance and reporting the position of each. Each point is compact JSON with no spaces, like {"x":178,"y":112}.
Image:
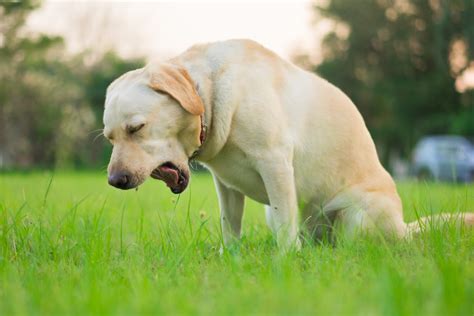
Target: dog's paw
{"x":231,"y":249}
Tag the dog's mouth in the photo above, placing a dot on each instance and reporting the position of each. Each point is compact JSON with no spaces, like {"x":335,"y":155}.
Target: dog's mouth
{"x":175,"y":178}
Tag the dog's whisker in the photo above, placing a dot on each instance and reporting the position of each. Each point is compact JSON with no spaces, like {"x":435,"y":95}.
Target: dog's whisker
{"x":101,"y":130}
{"x":97,"y":136}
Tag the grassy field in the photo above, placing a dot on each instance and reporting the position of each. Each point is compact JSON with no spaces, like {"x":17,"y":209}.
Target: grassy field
{"x":70,"y":244}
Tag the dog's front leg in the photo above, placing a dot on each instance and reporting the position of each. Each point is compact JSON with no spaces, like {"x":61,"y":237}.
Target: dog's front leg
{"x":278,"y":177}
{"x":231,"y":203}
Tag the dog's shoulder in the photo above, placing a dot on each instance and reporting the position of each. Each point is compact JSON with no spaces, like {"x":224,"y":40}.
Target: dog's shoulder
{"x":232,"y":51}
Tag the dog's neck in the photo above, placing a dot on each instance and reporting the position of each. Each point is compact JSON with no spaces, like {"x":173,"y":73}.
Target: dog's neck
{"x":211,"y":141}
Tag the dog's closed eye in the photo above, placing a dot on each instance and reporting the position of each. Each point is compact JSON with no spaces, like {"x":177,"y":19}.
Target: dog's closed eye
{"x":133,"y":129}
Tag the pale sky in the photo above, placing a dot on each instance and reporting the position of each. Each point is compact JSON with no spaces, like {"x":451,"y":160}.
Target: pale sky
{"x":158,"y":29}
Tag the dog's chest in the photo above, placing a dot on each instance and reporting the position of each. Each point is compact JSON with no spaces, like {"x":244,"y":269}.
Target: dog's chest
{"x":235,"y":169}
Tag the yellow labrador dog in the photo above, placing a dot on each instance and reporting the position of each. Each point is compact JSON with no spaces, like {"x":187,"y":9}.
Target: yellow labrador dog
{"x":265,"y":128}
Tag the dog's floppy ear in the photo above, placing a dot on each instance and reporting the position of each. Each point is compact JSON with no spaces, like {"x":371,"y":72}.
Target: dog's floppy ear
{"x":176,"y":82}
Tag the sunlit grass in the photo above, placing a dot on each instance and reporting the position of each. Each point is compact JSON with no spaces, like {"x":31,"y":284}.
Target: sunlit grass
{"x":72,"y":244}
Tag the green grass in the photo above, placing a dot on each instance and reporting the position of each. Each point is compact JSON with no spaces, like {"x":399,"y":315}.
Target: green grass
{"x":70,"y":244}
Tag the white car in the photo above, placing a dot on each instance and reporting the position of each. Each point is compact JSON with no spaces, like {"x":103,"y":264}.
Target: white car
{"x":445,"y":158}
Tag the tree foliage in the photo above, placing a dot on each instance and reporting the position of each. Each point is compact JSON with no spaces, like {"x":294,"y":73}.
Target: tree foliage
{"x":50,"y":102}
{"x":398,"y":60}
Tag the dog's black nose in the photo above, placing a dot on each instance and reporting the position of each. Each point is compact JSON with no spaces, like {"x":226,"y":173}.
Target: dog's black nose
{"x":120,"y":180}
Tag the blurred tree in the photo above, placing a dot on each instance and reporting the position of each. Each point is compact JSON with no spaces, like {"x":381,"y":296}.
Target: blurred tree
{"x":49,"y":102}
{"x":28,"y":111}
{"x":398,"y":60}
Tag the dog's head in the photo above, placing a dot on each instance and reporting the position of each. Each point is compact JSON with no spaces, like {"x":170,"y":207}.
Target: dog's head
{"x":152,"y":118}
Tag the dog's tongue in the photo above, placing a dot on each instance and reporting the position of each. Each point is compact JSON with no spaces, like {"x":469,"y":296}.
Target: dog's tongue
{"x":169,"y":175}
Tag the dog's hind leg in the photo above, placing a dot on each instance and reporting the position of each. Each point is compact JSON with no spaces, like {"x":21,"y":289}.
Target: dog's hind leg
{"x":375,"y":213}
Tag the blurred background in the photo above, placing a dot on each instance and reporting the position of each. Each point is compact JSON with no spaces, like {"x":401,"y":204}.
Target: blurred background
{"x":408,"y":65}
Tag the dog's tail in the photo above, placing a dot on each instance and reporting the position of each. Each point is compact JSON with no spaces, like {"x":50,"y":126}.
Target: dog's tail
{"x":426,"y":223}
